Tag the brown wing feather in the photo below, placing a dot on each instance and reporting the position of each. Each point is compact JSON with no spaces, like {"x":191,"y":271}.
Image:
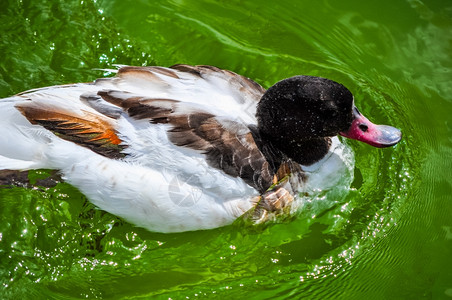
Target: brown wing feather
{"x":139,"y":107}
{"x":226,"y":148}
{"x":88,"y":130}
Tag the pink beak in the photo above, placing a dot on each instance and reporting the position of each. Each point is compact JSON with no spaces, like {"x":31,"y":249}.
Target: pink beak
{"x":375,"y":135}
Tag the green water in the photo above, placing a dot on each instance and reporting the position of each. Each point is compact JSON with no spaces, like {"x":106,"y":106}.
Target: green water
{"x":390,"y":238}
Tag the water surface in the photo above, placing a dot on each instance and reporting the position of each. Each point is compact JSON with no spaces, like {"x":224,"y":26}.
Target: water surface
{"x":390,"y":237}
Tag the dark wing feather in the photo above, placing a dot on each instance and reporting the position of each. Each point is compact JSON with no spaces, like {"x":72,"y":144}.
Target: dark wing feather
{"x":229,"y":148}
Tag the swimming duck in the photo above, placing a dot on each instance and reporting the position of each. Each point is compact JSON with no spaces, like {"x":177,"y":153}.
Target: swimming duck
{"x":186,"y":147}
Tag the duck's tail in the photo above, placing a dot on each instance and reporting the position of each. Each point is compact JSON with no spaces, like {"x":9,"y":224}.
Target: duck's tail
{"x":22,"y":145}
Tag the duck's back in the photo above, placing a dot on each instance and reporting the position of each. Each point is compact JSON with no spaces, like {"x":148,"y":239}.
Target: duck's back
{"x":221,"y":92}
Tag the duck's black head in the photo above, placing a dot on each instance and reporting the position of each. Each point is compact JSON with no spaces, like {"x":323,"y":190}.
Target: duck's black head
{"x":298,"y":116}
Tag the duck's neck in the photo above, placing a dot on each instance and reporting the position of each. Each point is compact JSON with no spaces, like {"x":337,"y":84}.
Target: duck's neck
{"x":304,"y":152}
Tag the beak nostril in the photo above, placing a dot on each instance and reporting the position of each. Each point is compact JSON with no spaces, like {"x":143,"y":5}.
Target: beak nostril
{"x":363,"y":127}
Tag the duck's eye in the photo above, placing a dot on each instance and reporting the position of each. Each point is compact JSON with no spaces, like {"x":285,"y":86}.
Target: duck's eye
{"x":363,"y":127}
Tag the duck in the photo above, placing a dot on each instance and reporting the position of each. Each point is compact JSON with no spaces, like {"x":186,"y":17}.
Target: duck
{"x":186,"y":147}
